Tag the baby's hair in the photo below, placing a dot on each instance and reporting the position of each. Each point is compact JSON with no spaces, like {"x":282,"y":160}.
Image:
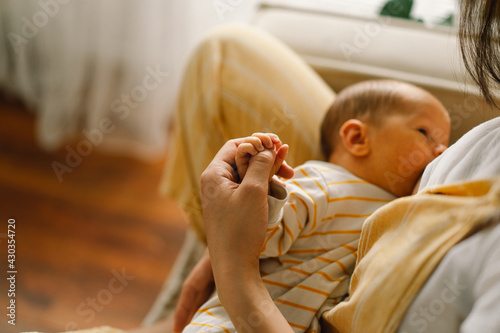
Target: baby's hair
{"x":369,"y":101}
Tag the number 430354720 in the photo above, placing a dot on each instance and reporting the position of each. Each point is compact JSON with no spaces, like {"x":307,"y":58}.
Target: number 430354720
{"x":11,"y":234}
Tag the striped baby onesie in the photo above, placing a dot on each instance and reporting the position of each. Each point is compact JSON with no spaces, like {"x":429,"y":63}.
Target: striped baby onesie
{"x":310,"y":247}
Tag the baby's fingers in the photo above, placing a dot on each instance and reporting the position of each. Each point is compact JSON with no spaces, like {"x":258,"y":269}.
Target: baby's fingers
{"x":285,"y":171}
{"x":280,"y":167}
{"x":246,"y":149}
{"x":255,"y":141}
{"x":268,"y":139}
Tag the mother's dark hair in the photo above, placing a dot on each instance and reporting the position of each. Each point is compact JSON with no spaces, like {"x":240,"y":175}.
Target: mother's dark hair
{"x":479,"y":36}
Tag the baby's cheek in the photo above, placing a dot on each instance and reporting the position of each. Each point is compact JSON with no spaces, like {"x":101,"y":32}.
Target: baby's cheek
{"x":421,"y":155}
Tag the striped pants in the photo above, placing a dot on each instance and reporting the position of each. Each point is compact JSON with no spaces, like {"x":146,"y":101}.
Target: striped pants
{"x":240,"y":80}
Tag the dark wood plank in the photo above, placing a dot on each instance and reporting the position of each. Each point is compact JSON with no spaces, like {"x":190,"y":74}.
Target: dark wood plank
{"x":73,"y":238}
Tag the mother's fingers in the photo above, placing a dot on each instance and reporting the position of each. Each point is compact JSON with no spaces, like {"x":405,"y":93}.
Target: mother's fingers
{"x":228,"y":151}
{"x":243,"y":154}
{"x":221,"y":169}
{"x":258,"y":171}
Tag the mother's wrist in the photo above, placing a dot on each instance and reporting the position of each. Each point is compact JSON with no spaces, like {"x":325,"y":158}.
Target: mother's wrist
{"x":230,"y":267}
{"x":249,"y":304}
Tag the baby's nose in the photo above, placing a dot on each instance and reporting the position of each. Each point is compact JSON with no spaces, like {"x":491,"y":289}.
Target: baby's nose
{"x":439,"y":149}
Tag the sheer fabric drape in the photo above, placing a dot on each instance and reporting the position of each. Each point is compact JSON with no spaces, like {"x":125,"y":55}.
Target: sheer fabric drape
{"x":79,"y":63}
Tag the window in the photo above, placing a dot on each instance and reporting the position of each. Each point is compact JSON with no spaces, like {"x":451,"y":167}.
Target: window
{"x":428,"y":12}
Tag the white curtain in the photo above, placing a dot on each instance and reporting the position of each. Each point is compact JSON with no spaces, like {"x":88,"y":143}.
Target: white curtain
{"x":105,"y":71}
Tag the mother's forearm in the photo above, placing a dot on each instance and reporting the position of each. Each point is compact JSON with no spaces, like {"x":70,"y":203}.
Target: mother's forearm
{"x":248,"y":302}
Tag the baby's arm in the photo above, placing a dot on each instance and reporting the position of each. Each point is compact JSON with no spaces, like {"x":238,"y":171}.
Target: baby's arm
{"x":257,"y":143}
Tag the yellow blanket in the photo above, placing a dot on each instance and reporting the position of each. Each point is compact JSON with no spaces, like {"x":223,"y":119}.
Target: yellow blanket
{"x":400,"y":246}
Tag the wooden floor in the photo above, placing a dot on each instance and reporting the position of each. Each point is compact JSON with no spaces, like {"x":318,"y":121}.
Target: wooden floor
{"x":91,"y":250}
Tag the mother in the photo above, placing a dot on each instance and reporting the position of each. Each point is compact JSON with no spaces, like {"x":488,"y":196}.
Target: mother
{"x":227,"y":85}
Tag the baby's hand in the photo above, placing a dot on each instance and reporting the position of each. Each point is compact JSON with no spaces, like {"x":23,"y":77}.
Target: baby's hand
{"x":257,"y":143}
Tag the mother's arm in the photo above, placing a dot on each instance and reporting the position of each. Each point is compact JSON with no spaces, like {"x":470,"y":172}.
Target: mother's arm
{"x":236,"y":220}
{"x":196,"y":290}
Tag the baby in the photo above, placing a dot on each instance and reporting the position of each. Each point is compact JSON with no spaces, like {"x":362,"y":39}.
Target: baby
{"x":377,"y":138}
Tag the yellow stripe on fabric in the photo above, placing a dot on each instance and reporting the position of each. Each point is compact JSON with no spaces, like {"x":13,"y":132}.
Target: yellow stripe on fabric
{"x":358,"y":198}
{"x":289,"y":232}
{"x":345,"y":215}
{"x":319,"y":185}
{"x":326,"y":276}
{"x":278,"y":284}
{"x":209,"y":308}
{"x":327,"y":260}
{"x":349,"y":247}
{"x":330,"y":261}
{"x":200,"y":324}
{"x":344,"y":269}
{"x":314,"y":290}
{"x":349,"y":182}
{"x":215,"y":316}
{"x":308,"y":251}
{"x":269,"y":237}
{"x":295,"y":208}
{"x":280,"y":252}
{"x":225,"y":329}
{"x":325,"y":170}
{"x":333,"y":232}
{"x":295,"y":305}
{"x":312,"y":199}
{"x":296,"y":270}
{"x":297,"y":326}
{"x":272,"y":229}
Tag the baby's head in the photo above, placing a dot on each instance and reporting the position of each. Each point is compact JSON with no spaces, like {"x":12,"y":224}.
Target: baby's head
{"x":385,"y":132}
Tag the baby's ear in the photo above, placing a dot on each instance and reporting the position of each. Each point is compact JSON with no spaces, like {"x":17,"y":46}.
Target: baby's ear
{"x":354,"y":137}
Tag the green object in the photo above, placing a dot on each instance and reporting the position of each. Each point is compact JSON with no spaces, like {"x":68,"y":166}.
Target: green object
{"x":448,"y":20}
{"x":402,"y":9}
{"x":397,"y":8}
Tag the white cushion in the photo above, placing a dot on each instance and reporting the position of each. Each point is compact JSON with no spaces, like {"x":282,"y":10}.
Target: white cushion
{"x":382,"y":46}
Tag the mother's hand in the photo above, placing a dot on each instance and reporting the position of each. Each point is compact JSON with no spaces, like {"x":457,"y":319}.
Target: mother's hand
{"x":235,"y":218}
{"x":235,"y":214}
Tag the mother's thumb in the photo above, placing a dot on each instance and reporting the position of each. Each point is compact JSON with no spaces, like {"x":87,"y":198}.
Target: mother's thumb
{"x":259,"y":168}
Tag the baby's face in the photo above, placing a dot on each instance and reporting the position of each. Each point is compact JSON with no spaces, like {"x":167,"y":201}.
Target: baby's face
{"x":407,"y":142}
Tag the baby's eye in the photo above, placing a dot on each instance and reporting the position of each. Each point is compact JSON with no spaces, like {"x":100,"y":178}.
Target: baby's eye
{"x":423,"y":131}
